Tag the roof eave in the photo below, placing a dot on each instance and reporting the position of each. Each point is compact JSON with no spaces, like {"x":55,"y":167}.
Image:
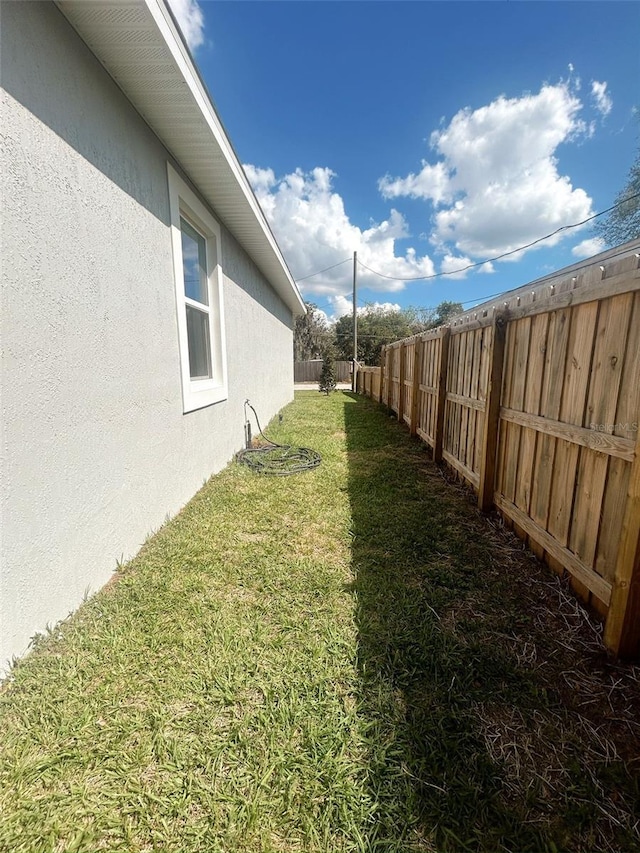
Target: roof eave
{"x":182,"y":115}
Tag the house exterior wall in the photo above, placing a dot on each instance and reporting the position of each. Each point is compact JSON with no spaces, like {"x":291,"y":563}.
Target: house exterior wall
{"x":96,"y":450}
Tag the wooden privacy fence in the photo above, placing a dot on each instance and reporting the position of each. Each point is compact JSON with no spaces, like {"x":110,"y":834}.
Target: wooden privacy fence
{"x":369,"y":381}
{"x":535,"y":402}
{"x":309,"y":371}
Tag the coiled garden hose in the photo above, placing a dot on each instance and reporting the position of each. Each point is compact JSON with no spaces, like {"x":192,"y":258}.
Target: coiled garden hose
{"x":273,"y":459}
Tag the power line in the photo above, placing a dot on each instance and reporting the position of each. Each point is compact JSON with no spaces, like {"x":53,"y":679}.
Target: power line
{"x":347,"y":336}
{"x":479,"y":263}
{"x":505,"y":254}
{"x":326,"y":269}
{"x":480,"y":299}
{"x":363,"y":303}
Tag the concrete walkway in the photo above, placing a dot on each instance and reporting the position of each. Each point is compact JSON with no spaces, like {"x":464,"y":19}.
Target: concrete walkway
{"x":313,"y":386}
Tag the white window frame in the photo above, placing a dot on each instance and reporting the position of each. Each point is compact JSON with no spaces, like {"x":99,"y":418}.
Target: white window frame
{"x":183,"y":203}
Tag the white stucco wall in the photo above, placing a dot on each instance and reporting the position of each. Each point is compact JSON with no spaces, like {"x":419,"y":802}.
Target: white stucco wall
{"x":96,"y":450}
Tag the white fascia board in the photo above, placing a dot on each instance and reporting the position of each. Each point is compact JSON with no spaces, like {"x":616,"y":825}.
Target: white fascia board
{"x":164,"y":21}
{"x":241,"y":207}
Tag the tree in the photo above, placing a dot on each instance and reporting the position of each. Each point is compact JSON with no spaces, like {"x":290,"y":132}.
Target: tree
{"x":328,"y":375}
{"x":311,"y":334}
{"x":380,"y":326}
{"x":623,"y":222}
{"x":377,"y":327}
{"x":445,"y":311}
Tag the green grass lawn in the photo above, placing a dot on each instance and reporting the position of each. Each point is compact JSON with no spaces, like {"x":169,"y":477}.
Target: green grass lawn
{"x":351,"y":659}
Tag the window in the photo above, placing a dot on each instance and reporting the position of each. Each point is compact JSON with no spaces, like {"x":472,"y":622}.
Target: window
{"x":198,"y":280}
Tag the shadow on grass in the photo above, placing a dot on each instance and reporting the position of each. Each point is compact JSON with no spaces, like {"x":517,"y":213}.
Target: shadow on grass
{"x":452,"y":709}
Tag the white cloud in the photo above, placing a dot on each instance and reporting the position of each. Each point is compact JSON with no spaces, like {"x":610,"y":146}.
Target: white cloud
{"x":454,"y":267}
{"x":343,"y":305}
{"x":189,"y":15}
{"x":431,"y":182}
{"x":314,"y":232}
{"x":602,"y":99}
{"x":262,"y":181}
{"x":588,"y":247}
{"x":496,"y":185}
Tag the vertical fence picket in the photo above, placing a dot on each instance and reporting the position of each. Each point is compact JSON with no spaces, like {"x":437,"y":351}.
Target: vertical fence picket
{"x":402,"y":354}
{"x":441,"y":398}
{"x":415,"y":385}
{"x":492,"y":414}
{"x":622,"y":628}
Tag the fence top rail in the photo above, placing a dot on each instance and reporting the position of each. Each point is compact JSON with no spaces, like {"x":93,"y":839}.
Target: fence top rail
{"x":626,"y":282}
{"x":428,"y":335}
{"x":558,"y":282}
{"x":607,"y":274}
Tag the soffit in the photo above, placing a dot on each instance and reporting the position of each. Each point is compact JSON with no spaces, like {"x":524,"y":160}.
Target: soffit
{"x":139,"y":44}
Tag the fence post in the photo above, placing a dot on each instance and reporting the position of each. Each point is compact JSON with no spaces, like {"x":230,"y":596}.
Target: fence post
{"x":383,"y":361}
{"x":441,"y":397}
{"x":401,"y":384}
{"x":622,"y":628}
{"x":415,"y":388}
{"x":492,"y":414}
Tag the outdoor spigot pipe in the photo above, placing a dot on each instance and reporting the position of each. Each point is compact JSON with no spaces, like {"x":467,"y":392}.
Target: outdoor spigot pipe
{"x":247,"y":425}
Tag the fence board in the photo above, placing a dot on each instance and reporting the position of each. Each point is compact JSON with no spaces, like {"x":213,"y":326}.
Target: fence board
{"x":572,"y":409}
{"x":465,"y":387}
{"x":597,"y":584}
{"x":415,"y":384}
{"x":461,"y":469}
{"x":608,"y":353}
{"x":428,"y":389}
{"x":456,"y":388}
{"x":518,"y":335}
{"x":532,"y":394}
{"x":486,"y":350}
{"x":408,"y":356}
{"x":488,"y":455}
{"x":622,"y":629}
{"x":310,"y":371}
{"x":554,"y":365}
{"x":439,"y":402}
{"x":478,"y":405}
{"x":624,"y":426}
{"x":601,"y":442}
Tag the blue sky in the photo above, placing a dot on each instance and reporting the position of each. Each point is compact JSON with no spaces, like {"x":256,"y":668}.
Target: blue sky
{"x":424,"y":135}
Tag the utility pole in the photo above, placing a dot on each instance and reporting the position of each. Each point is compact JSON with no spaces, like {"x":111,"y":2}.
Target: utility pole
{"x":355,"y":321}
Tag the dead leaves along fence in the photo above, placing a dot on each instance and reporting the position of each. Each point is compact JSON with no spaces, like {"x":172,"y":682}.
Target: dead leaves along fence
{"x":536,"y":404}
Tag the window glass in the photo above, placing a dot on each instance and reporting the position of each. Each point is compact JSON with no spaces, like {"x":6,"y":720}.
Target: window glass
{"x":194,"y":263}
{"x":199,"y":343}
